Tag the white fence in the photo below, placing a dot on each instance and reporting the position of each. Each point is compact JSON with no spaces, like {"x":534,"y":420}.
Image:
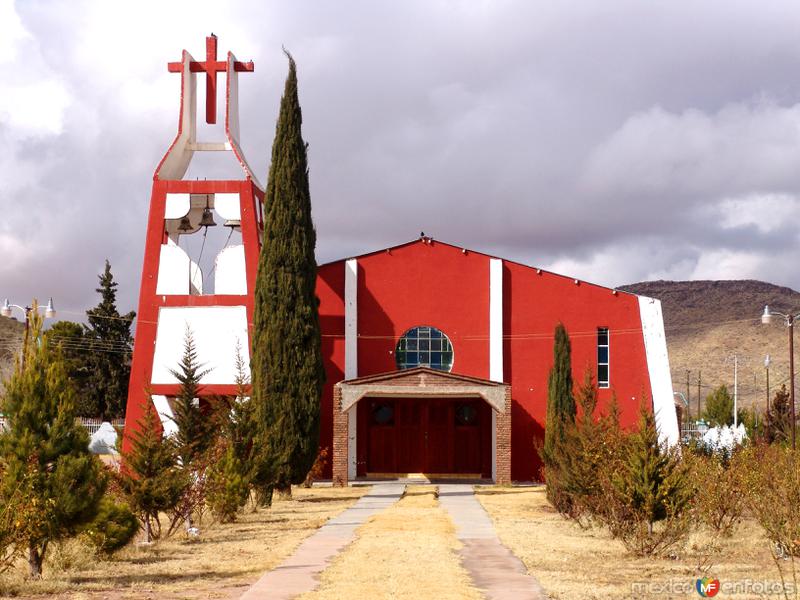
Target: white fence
{"x":92,"y":425}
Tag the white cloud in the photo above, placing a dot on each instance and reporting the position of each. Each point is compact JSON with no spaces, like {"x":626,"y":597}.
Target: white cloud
{"x":11,"y":32}
{"x":765,"y":212}
{"x":738,"y":148}
{"x":34,"y":98}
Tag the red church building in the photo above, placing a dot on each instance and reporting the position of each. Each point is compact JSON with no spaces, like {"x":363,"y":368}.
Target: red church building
{"x":437,"y":357}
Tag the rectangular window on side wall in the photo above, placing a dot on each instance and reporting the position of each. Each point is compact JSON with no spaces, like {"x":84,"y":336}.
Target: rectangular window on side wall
{"x":602,"y":357}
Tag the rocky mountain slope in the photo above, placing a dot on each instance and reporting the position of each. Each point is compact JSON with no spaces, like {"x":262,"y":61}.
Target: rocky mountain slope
{"x":708,"y":322}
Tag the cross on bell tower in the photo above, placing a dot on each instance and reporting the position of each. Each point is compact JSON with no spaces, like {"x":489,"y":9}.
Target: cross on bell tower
{"x":211,"y":66}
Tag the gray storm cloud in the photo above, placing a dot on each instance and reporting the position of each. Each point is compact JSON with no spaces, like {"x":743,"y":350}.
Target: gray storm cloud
{"x":613,"y":141}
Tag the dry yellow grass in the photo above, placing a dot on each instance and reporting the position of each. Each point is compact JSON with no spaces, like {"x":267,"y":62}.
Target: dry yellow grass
{"x":406,"y":551}
{"x":576,"y":564}
{"x":220,"y":564}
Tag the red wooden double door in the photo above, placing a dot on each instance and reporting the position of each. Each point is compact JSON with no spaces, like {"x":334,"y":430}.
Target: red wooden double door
{"x":424,"y":435}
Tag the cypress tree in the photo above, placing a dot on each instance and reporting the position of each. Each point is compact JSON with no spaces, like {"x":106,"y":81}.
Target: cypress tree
{"x":109,"y":360}
{"x":286,"y":363}
{"x":560,"y":400}
{"x":44,"y":453}
{"x":560,"y":414}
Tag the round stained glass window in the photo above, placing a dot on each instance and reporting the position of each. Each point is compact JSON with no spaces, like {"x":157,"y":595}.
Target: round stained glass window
{"x":424,"y":347}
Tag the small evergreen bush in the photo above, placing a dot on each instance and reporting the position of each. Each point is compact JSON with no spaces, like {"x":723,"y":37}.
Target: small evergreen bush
{"x":113,"y":528}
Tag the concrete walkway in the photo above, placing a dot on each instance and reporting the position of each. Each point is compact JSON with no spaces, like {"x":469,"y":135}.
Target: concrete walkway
{"x":299,"y":573}
{"x":493,"y":567}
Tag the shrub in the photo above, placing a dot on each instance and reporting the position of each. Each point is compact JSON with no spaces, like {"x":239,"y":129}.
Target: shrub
{"x":113,"y":528}
{"x":779,"y":418}
{"x":150,"y":478}
{"x":719,"y":407}
{"x":774,"y":496}
{"x":644,"y":503}
{"x":227,"y":487}
{"x":318,"y":467}
{"x":592,"y":451}
{"x":720,"y":489}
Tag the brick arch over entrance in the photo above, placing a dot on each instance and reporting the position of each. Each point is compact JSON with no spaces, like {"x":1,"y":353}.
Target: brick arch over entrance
{"x":421,"y":384}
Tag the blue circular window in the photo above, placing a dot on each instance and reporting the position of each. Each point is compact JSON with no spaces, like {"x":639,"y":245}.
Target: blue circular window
{"x":424,"y":347}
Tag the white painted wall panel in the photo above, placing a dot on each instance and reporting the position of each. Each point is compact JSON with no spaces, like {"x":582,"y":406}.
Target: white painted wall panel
{"x":227,"y":206}
{"x":165,"y":414}
{"x":177,"y":206}
{"x":496,"y":319}
{"x":178,"y":275}
{"x":216,"y":331}
{"x":173,"y":271}
{"x":655,"y":344}
{"x":230,"y":275}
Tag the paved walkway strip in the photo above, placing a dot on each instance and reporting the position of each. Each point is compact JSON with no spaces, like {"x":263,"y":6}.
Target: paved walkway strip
{"x":493,"y":567}
{"x":299,"y":573}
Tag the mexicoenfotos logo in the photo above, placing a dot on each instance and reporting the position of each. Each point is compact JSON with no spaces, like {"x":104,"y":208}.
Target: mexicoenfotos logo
{"x":707,"y":587}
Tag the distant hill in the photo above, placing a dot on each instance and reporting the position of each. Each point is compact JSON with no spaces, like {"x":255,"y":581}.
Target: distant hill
{"x":11,"y":333}
{"x":707,"y":322}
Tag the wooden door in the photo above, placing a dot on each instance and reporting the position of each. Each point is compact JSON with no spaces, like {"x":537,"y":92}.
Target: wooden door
{"x":424,"y":435}
{"x":409,"y":435}
{"x":439,"y":443}
{"x":471,"y":423}
{"x":379,"y":417}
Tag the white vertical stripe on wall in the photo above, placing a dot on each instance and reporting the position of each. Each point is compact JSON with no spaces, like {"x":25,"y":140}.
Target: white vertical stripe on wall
{"x":655,"y":345}
{"x":350,"y":319}
{"x":496,"y":319}
{"x":351,"y":353}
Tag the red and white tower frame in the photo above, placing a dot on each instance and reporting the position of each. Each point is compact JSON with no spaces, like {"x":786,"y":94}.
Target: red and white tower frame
{"x":173,"y":294}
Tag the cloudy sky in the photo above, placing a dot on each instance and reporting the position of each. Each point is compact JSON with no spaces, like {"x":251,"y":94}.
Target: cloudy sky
{"x":613,"y":141}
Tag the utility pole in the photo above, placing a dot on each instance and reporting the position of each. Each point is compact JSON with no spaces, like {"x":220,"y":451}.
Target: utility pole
{"x":766,"y":414}
{"x":735,"y":389}
{"x":688,"y":398}
{"x":755,"y":399}
{"x":698,"y":394}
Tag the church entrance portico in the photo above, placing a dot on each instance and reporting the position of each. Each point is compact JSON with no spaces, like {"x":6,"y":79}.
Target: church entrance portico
{"x":438,"y":437}
{"x":421,"y":422}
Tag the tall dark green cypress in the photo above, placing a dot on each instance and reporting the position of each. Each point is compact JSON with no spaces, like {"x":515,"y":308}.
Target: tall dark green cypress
{"x":560,"y":414}
{"x":286,"y":363}
{"x":560,"y":398}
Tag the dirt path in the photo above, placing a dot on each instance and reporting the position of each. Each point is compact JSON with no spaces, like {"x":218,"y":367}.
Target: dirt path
{"x":299,"y":572}
{"x":409,"y":550}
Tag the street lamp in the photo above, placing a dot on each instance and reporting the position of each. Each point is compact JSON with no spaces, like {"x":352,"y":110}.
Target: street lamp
{"x":767,"y":362}
{"x":766,"y":319}
{"x":5,"y":310}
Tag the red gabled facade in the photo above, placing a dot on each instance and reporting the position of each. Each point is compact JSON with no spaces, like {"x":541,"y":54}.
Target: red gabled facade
{"x":426,"y":282}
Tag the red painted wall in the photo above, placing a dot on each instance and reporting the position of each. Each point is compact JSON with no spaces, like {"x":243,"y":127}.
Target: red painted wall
{"x":438,"y":284}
